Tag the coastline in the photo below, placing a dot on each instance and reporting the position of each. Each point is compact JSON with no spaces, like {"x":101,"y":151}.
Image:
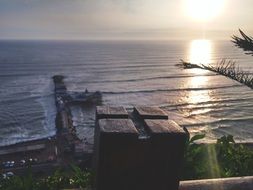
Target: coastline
{"x":59,"y":150}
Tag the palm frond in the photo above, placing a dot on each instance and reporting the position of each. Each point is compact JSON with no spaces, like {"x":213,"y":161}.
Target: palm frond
{"x":226,"y":68}
{"x":245,"y":42}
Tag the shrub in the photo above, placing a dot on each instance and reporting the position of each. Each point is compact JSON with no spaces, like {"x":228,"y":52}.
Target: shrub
{"x":76,"y":178}
{"x":223,"y":159}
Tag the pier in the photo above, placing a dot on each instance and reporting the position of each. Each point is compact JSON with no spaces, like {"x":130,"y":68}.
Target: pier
{"x":65,"y":131}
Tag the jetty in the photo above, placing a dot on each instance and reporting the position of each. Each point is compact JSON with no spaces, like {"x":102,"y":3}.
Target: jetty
{"x":66,"y":132}
{"x":63,"y":120}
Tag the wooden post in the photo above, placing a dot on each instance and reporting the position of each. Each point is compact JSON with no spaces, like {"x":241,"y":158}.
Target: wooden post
{"x":127,"y":160}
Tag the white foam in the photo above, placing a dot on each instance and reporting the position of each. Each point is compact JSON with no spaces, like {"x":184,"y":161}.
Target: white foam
{"x":44,"y":92}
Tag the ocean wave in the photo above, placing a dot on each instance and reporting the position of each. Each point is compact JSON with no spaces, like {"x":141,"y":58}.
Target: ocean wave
{"x":45,"y":97}
{"x":146,"y":78}
{"x":14,"y":75}
{"x":16,"y":99}
{"x":213,"y":103}
{"x":219,"y":122}
{"x":170,"y":90}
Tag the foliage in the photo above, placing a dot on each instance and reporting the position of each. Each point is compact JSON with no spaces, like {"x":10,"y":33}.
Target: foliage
{"x":25,"y":182}
{"x":58,"y":180}
{"x":223,"y":159}
{"x":245,"y":42}
{"x":226,"y":68}
{"x":80,"y":178}
{"x":76,"y":178}
{"x":194,"y":161}
{"x":234,"y":159}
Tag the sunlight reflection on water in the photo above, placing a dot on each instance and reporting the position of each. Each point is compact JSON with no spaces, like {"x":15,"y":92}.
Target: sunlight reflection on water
{"x":200,"y":52}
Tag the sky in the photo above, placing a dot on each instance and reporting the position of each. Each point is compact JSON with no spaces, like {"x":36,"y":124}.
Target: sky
{"x":120,"y":19}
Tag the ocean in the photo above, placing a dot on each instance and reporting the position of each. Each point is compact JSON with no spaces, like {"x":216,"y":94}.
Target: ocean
{"x":128,"y":73}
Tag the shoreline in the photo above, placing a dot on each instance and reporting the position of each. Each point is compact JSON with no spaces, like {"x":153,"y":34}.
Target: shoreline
{"x":58,"y":150}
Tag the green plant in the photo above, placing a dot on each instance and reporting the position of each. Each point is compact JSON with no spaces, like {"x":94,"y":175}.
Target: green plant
{"x":194,"y":166}
{"x":57,"y":181}
{"x":225,"y":158}
{"x":61,"y":179}
{"x":80,"y":178}
{"x":234,"y":159}
{"x":18,"y":182}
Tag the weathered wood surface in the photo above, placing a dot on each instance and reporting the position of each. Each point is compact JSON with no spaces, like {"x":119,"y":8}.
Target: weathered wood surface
{"x":111,"y":112}
{"x":235,"y":183}
{"x":150,"y":113}
{"x":115,"y":139}
{"x":163,"y":127}
{"x":125,"y":161}
{"x":117,"y":126}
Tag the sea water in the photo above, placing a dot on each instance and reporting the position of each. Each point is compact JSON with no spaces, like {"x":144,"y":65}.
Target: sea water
{"x":128,"y":73}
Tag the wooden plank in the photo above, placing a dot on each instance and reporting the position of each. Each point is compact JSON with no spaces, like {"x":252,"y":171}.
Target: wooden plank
{"x":150,"y":113}
{"x":115,"y":142}
{"x":121,"y":126}
{"x":111,"y":112}
{"x":163,"y":127}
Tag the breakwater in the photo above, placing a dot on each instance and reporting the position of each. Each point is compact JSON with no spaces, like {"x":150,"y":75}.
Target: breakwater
{"x":63,"y":121}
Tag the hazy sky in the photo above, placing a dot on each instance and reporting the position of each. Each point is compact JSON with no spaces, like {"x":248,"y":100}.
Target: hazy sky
{"x":118,"y":19}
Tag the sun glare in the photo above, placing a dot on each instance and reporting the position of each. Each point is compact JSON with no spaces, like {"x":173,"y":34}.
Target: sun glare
{"x":204,"y":10}
{"x":200,"y":52}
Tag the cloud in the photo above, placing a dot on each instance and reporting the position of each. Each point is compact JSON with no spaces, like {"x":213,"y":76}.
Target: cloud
{"x":86,"y":18}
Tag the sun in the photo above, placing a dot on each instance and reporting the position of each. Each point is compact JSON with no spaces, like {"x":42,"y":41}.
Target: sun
{"x":204,"y":10}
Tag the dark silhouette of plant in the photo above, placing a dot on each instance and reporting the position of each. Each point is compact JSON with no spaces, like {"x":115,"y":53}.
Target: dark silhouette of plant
{"x":245,"y":42}
{"x":226,"y":68}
